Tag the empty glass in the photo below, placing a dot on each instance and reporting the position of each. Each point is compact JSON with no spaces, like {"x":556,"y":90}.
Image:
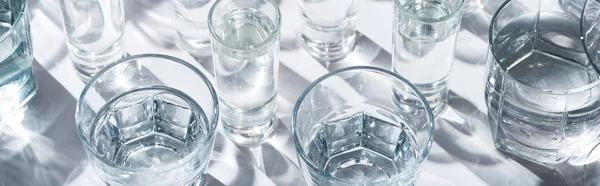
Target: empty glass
{"x":94,"y":31}
{"x":328,"y":27}
{"x":192,"y":28}
{"x":542,"y":93}
{"x":245,"y":43}
{"x":17,"y":84}
{"x":362,"y":126}
{"x":148,"y":120}
{"x":424,"y":37}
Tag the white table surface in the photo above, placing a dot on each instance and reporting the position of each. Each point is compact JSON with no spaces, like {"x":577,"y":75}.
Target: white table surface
{"x":44,"y":148}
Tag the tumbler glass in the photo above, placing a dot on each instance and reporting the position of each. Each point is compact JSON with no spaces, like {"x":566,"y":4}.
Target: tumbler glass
{"x":542,"y":93}
{"x":245,"y":43}
{"x":362,"y":126}
{"x":17,"y":84}
{"x":191,"y":18}
{"x":328,"y":27}
{"x":148,"y":120}
{"x":94,"y":31}
{"x":424,"y":38}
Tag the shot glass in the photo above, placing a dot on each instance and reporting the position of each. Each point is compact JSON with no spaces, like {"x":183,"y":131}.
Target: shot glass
{"x":141,"y":123}
{"x":542,"y":93}
{"x":328,"y":27}
{"x":94,"y":31}
{"x":192,"y":28}
{"x":245,"y":44}
{"x":424,"y":38}
{"x":362,"y":126}
{"x":17,"y":84}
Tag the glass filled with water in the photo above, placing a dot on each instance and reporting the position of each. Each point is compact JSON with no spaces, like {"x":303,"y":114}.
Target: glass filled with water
{"x":424,"y":37}
{"x":148,"y":120}
{"x":328,"y":27}
{"x":17,"y":84}
{"x":362,"y":126}
{"x":542,"y":93}
{"x":245,"y":44}
{"x":191,"y":24}
{"x":94,"y":31}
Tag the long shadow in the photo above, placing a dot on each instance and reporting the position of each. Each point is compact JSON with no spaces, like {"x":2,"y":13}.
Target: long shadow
{"x":40,"y":145}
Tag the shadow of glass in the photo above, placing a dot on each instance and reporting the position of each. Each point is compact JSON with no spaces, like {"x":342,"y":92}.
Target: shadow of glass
{"x":154,"y":19}
{"x":40,"y":145}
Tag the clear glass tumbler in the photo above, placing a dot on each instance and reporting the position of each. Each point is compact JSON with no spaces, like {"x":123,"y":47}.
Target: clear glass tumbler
{"x":94,"y":31}
{"x":17,"y":84}
{"x":328,"y":27}
{"x":424,"y":38}
{"x":542,"y":93}
{"x":191,"y":18}
{"x":245,"y":43}
{"x":148,"y":120}
{"x":362,"y":126}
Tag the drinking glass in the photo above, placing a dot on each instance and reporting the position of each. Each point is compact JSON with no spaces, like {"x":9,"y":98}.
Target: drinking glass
{"x":362,"y":126}
{"x":542,"y":93}
{"x":17,"y":84}
{"x":424,"y":38}
{"x":328,"y":27}
{"x":192,"y":28}
{"x":94,"y":31}
{"x":245,"y":44}
{"x":148,"y":119}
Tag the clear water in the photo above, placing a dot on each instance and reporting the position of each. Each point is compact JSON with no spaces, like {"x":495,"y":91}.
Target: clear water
{"x":147,"y":137}
{"x":94,"y":30}
{"x":328,"y":31}
{"x":364,"y":149}
{"x":246,"y":68}
{"x":424,"y":50}
{"x":537,"y":94}
{"x":17,"y":84}
{"x":193,"y":35}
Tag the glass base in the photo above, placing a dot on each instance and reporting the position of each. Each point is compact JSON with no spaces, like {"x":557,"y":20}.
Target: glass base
{"x":436,"y":95}
{"x":16,"y":92}
{"x":195,"y":47}
{"x":250,"y":137}
{"x":505,"y":143}
{"x":88,"y":64}
{"x":328,"y":50}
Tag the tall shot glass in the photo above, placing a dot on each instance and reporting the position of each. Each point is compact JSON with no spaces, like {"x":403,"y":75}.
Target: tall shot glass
{"x":328,"y":27}
{"x":362,"y":126}
{"x":424,"y":38}
{"x":191,"y":24}
{"x":245,"y":43}
{"x":148,"y":120}
{"x":542,"y":93}
{"x":17,"y":84}
{"x":94,"y":31}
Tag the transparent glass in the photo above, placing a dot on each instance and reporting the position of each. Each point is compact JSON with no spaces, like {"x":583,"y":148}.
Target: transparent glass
{"x":424,"y":38}
{"x":245,"y":44}
{"x":94,"y":31}
{"x":17,"y":84}
{"x":328,"y":27}
{"x":362,"y":126}
{"x":542,"y":93}
{"x":192,"y":28}
{"x":572,"y":6}
{"x":148,"y":120}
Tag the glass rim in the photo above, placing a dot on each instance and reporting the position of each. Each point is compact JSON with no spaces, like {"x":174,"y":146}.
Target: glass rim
{"x":272,"y":34}
{"x":213,"y":121}
{"x":451,"y":15}
{"x":546,"y":92}
{"x":20,"y":18}
{"x":295,"y":136}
